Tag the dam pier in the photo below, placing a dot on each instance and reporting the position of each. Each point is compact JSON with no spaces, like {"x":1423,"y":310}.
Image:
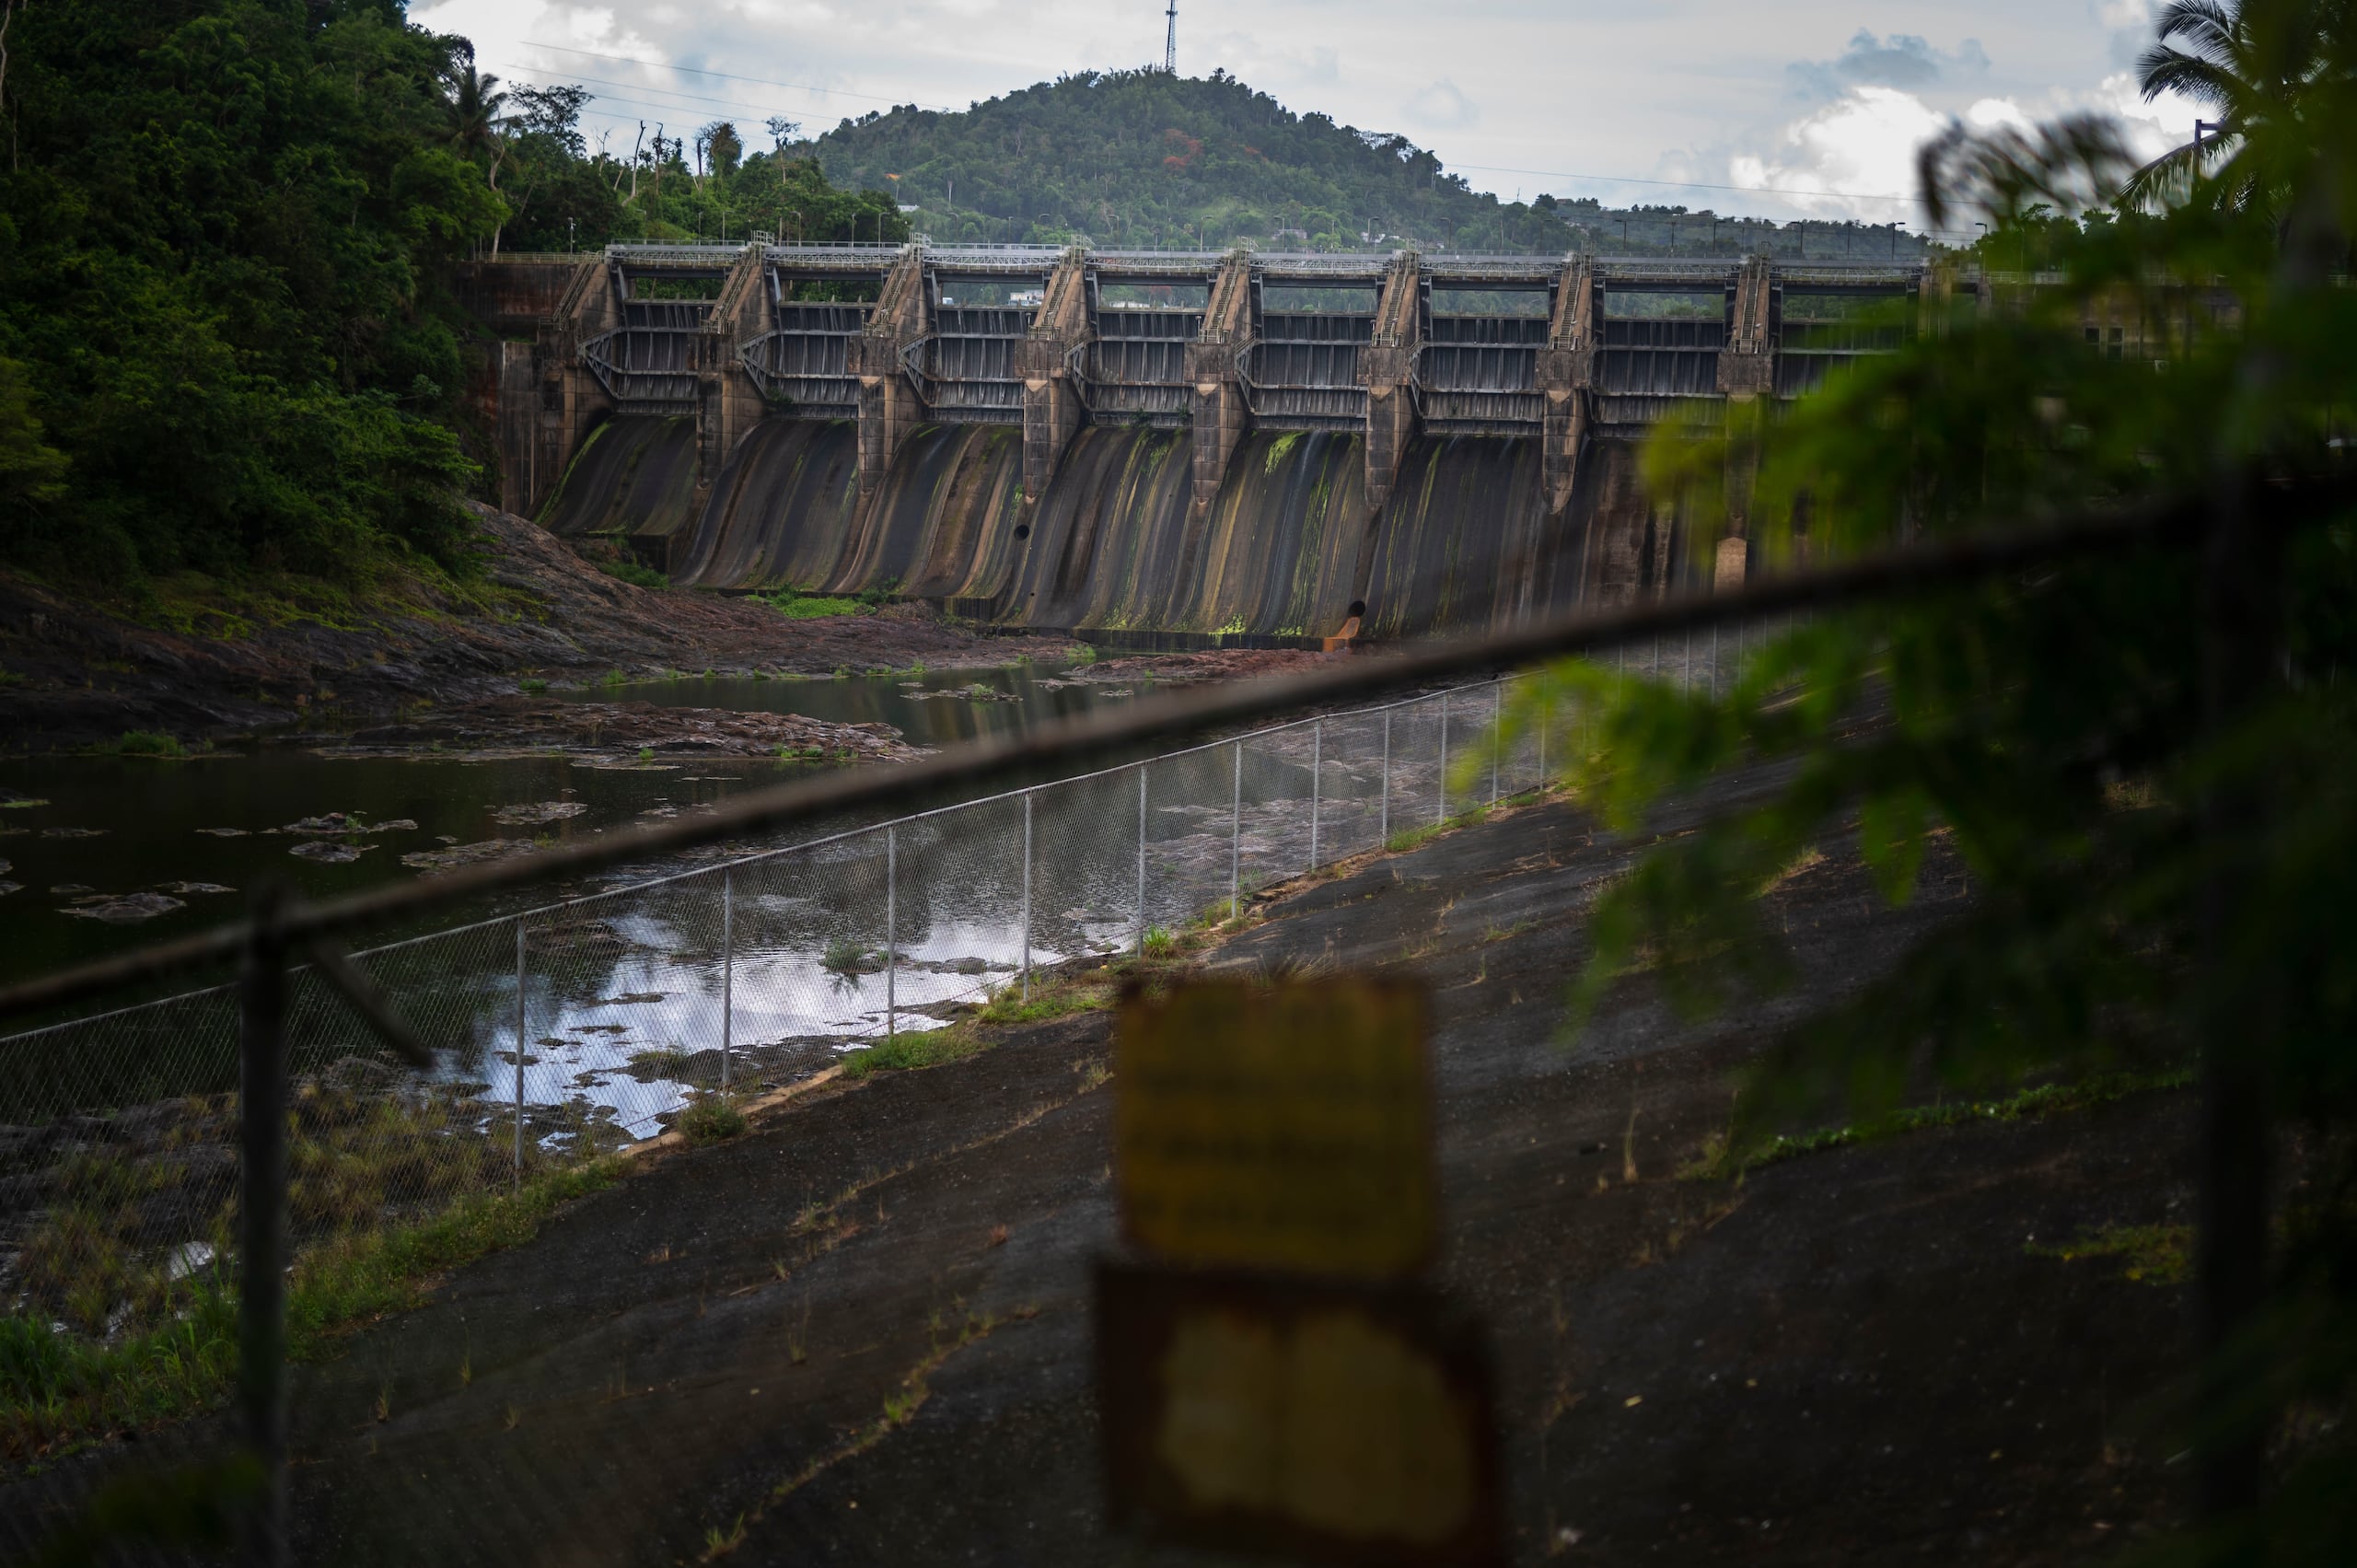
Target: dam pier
{"x":1154,"y":447}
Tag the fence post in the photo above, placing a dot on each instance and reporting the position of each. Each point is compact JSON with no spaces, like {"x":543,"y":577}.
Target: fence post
{"x":1442,"y":814}
{"x":727,"y":966}
{"x":1497,"y":742}
{"x":1027,"y":895}
{"x":891,"y":932}
{"x":1316,"y":780}
{"x":1141,"y":860}
{"x":518,"y":1153}
{"x":1235,"y":840}
{"x":1546,"y":714}
{"x":262,"y":1210}
{"x":1385,"y":831}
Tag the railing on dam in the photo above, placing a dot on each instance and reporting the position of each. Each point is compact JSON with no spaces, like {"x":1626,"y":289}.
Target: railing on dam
{"x":1030,"y":336}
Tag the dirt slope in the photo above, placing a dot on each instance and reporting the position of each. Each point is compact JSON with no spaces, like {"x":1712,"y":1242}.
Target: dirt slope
{"x":82,"y":674}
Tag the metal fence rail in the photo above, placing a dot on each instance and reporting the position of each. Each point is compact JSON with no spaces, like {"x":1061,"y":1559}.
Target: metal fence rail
{"x":569,"y":1030}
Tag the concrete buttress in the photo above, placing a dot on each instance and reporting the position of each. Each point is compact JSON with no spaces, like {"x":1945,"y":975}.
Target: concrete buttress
{"x":1566,"y":376}
{"x":568,"y":396}
{"x":1388,"y":370}
{"x":1220,"y":416}
{"x":890,"y":405}
{"x":1748,"y":379}
{"x":728,"y":402}
{"x":1051,"y":401}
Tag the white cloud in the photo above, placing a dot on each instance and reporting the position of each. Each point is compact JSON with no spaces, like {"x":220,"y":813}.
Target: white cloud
{"x":1442,"y":106}
{"x":1848,"y":158}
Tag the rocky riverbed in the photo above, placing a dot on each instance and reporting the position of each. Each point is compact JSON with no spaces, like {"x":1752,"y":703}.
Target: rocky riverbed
{"x":209,"y":665}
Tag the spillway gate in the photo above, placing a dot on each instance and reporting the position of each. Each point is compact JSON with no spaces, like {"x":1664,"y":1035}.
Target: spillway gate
{"x":1218,"y":344}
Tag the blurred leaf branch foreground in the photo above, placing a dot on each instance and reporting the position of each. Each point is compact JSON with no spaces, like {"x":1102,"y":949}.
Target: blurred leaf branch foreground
{"x":2147,"y":761}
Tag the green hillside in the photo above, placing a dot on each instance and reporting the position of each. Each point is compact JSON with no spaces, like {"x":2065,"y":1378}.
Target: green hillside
{"x":1147,"y":159}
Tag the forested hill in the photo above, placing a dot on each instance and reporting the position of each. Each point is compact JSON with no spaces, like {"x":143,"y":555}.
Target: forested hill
{"x":228,"y":338}
{"x":1150,"y":159}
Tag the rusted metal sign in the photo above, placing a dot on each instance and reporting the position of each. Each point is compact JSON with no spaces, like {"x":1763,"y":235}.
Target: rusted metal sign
{"x":1284,"y":1128}
{"x":1320,"y":1422}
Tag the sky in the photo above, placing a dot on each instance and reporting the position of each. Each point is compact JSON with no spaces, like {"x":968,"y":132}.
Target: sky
{"x":1806,"y":108}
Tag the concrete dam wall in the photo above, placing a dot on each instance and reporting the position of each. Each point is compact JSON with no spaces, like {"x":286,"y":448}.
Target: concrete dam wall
{"x":1159,"y":446}
{"x":1288,"y":547}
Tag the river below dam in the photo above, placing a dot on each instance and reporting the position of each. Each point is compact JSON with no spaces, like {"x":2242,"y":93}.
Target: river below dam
{"x":99,"y":854}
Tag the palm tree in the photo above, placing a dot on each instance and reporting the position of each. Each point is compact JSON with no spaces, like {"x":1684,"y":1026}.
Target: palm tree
{"x":475,"y":102}
{"x":2255,"y":66}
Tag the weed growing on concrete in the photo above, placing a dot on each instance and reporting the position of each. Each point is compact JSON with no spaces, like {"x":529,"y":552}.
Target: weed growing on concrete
{"x":2151,"y":1254}
{"x":718,"y":1542}
{"x":711,"y":1119}
{"x":1722,"y":1159}
{"x":903,"y":1052}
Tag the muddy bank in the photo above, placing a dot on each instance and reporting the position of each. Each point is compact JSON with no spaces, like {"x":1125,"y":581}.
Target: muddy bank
{"x":1210,"y":664}
{"x":75,"y":673}
{"x":507,"y":727}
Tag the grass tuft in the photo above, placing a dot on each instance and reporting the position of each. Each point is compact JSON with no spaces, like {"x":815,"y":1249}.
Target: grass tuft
{"x":711,"y":1119}
{"x":1723,"y":1160}
{"x":906,"y":1052}
{"x":59,"y":1388}
{"x":2150,"y":1254}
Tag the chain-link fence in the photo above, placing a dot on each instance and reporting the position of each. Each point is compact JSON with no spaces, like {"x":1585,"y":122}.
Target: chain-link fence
{"x":599,"y":1022}
{"x":586,"y":1026}
{"x":573,"y":1030}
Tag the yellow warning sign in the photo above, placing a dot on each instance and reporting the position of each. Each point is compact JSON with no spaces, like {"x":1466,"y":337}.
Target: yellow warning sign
{"x":1285,"y":1127}
{"x":1329,"y":1422}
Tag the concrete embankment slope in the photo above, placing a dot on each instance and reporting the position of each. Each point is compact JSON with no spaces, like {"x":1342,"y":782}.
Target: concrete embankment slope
{"x":1288,"y":548}
{"x":878,"y":1303}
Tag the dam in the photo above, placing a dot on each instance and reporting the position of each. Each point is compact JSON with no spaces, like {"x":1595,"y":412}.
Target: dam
{"x":1155,"y":448}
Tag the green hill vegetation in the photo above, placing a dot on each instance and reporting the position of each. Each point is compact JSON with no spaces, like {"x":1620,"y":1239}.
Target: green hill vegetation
{"x":228,"y":338}
{"x":1145,"y":158}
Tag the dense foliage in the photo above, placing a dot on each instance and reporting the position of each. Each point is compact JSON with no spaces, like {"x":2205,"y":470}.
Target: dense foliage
{"x":1150,"y":159}
{"x":228,"y":338}
{"x":222,"y":335}
{"x":2144,"y":761}
{"x":560,"y":195}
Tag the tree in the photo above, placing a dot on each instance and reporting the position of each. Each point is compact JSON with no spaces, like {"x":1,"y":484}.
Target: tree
{"x":475,"y":103}
{"x":2251,"y":68}
{"x":2144,"y":760}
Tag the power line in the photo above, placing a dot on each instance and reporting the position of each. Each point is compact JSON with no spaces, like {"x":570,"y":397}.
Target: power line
{"x":667,"y":92}
{"x":723,"y":76}
{"x":1683,"y":184}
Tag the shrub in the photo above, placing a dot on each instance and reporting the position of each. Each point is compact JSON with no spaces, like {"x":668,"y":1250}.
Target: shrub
{"x":631,"y":572}
{"x":147,"y":743}
{"x":711,"y":1119}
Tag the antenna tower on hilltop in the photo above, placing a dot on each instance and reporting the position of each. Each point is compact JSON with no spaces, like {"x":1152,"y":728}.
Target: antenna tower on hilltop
{"x":1170,"y":42}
